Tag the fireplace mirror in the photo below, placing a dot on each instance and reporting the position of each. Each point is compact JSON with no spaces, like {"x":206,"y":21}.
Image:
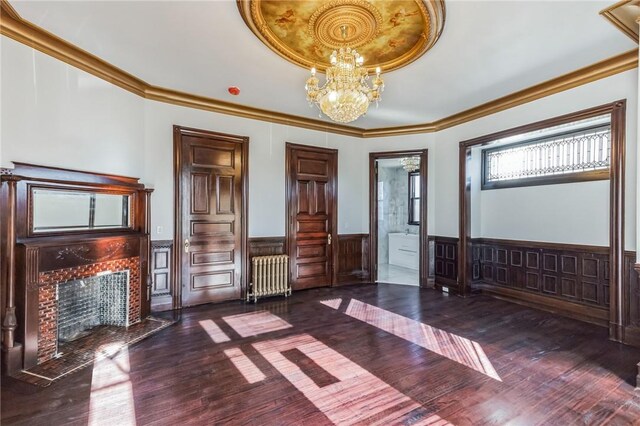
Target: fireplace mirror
{"x":63,"y":210}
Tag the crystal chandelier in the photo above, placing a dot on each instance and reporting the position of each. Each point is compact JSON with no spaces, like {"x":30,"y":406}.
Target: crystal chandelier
{"x":345,"y":96}
{"x":410,"y":164}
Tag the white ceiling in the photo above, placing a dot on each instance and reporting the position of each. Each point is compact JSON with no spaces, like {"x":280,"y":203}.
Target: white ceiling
{"x":488,"y":49}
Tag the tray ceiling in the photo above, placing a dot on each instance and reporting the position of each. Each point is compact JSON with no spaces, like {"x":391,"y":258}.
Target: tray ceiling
{"x":487,"y":49}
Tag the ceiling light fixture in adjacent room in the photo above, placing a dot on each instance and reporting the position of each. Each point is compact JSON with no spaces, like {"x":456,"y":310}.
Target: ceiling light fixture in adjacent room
{"x":346,"y":94}
{"x":410,"y":164}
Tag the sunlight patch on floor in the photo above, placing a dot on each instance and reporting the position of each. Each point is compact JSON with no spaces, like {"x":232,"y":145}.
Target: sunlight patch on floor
{"x":212,"y":329}
{"x":111,"y":401}
{"x":255,"y":323}
{"x":332,"y":303}
{"x":245,"y":366}
{"x":454,"y":347}
{"x":358,"y":397}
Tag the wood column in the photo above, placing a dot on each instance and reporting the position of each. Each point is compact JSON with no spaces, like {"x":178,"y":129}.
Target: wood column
{"x":145,"y":261}
{"x":12,"y":351}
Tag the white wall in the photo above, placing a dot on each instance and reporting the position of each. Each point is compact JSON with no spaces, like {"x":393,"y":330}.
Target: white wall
{"x":574,"y":213}
{"x":593,"y":227}
{"x":266,"y":167}
{"x":54,"y":114}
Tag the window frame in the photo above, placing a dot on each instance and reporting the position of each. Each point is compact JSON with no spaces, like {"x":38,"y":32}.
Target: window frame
{"x":555,"y":179}
{"x":411,"y":199}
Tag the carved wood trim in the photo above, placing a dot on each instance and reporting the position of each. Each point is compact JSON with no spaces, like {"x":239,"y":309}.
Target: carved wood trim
{"x":26,"y":257}
{"x":9,"y":320}
{"x":616,"y":203}
{"x":81,"y":252}
{"x":568,"y":272}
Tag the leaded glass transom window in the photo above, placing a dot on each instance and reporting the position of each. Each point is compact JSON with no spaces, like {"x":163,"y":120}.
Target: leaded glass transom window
{"x":581,"y":152}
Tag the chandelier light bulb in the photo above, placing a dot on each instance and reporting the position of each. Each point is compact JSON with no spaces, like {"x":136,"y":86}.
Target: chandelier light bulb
{"x":346,"y":94}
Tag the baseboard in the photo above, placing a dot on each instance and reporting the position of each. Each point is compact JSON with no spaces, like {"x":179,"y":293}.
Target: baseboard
{"x":451,"y":285}
{"x":593,"y":315}
{"x":631,"y":336}
{"x":352,"y":278}
{"x":162,"y":303}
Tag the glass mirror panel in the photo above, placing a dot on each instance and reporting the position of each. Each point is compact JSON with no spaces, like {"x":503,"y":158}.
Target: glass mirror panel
{"x":57,"y":210}
{"x":111,"y":211}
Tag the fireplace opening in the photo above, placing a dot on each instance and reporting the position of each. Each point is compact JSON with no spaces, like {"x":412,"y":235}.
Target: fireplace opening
{"x":90,"y":302}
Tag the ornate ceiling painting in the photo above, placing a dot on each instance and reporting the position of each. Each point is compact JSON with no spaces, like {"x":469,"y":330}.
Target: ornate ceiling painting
{"x":387,"y":33}
{"x":624,"y":15}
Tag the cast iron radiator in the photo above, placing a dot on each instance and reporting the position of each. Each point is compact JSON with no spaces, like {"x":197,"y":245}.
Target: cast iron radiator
{"x":270,"y":277}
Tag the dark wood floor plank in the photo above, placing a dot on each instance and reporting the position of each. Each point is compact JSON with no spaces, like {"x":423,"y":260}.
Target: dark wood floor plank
{"x":553,"y":370}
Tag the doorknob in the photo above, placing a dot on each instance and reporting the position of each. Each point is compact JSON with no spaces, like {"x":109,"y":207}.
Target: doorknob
{"x":186,"y":245}
{"x":329,"y":239}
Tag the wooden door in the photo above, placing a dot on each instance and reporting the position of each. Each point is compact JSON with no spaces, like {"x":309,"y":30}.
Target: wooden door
{"x":312,"y":212}
{"x":211,"y":194}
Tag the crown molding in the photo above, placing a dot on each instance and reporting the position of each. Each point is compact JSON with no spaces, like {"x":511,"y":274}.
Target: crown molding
{"x":13,"y":26}
{"x":6,"y":8}
{"x":16,"y":28}
{"x":175,"y":97}
{"x":606,"y":68}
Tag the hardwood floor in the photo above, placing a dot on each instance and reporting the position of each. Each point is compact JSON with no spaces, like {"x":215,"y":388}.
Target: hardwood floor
{"x":385,"y":354}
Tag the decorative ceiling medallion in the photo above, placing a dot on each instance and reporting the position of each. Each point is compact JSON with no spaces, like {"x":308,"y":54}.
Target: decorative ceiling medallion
{"x":624,"y":15}
{"x":361,"y":21}
{"x":388,"y":33}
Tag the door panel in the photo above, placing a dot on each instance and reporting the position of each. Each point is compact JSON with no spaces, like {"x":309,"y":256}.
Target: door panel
{"x":312,"y":184}
{"x":212,"y":227}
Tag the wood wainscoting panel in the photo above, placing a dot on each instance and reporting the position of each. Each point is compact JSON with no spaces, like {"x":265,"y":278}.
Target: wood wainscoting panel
{"x":566,"y":278}
{"x":162,"y":285}
{"x":265,"y":246}
{"x":445,"y":262}
{"x":353,"y":258}
{"x":353,"y":255}
{"x":631,"y":300}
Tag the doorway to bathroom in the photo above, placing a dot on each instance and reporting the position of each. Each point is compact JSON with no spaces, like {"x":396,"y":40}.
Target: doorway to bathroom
{"x":398,"y":217}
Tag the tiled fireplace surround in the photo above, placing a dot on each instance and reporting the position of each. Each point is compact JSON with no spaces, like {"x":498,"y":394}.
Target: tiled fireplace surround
{"x":47,"y":305}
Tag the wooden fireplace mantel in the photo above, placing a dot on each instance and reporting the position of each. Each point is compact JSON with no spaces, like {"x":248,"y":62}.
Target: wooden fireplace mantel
{"x":30,"y":262}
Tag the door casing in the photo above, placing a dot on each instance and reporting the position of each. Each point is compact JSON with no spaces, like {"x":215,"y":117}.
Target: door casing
{"x":373,"y":211}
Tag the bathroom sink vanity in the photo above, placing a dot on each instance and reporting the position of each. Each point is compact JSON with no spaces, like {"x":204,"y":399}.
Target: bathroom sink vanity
{"x":404,"y":250}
